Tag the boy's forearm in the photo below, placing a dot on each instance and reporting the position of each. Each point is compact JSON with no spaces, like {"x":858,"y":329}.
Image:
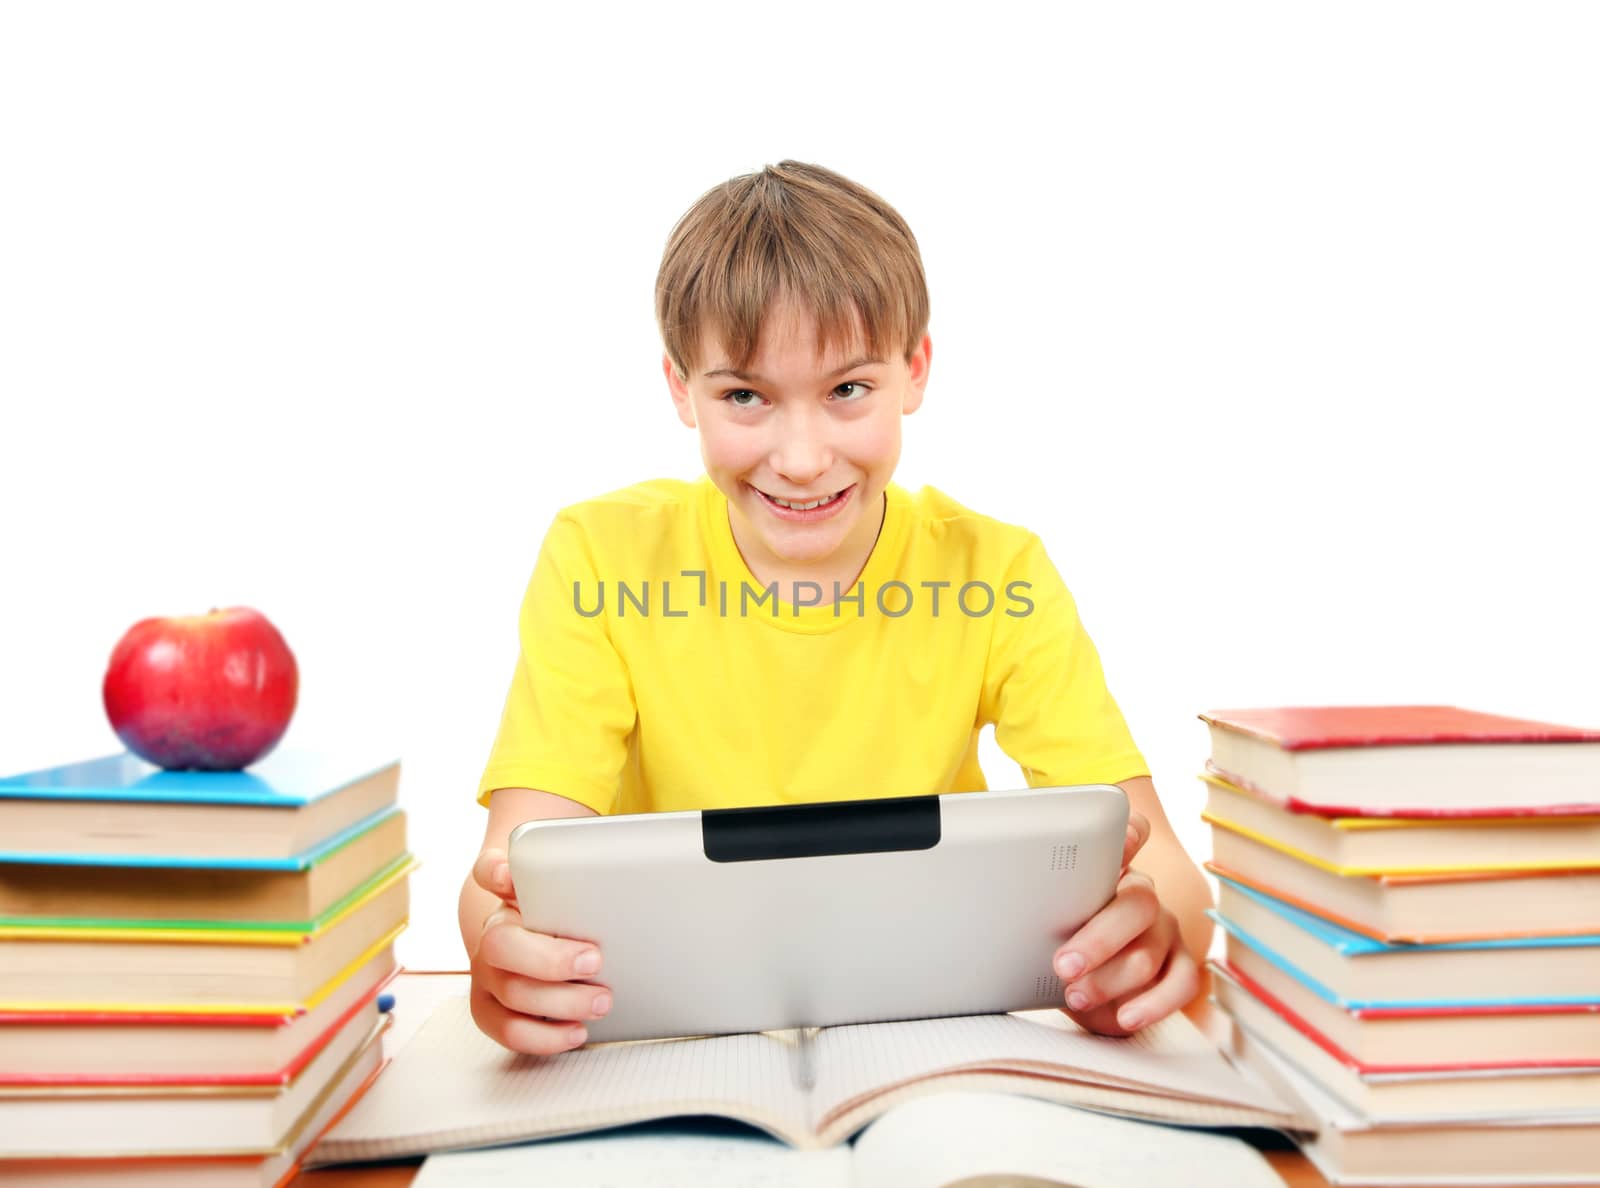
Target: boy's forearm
{"x":1181,"y":886}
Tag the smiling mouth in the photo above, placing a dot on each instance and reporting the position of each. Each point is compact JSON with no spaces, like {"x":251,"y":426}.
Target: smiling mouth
{"x":802,"y":504}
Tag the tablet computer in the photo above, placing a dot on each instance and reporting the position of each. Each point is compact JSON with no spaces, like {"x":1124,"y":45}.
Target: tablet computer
{"x":810,"y":915}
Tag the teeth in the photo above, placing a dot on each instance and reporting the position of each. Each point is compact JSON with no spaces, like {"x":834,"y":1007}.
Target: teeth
{"x":804,"y":506}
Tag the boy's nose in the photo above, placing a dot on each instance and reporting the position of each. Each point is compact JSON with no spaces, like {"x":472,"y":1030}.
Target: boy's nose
{"x":801,"y":456}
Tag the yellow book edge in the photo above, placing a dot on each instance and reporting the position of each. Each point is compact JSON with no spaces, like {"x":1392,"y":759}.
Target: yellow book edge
{"x":212,"y":936}
{"x":214,"y":1008}
{"x":1211,"y":818}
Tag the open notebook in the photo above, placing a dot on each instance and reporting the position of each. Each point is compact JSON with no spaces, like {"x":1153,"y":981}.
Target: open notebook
{"x":453,"y":1088}
{"x":940,"y":1139}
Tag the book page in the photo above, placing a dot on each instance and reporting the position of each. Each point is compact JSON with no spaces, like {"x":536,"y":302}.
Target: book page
{"x":1124,"y":1103}
{"x":1170,"y":1058}
{"x":451,"y":1086}
{"x":950,"y":1137}
{"x":676,"y":1157}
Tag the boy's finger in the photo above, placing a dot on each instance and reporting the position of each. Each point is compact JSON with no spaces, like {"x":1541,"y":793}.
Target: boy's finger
{"x":1138,"y":833}
{"x":1135,"y":968}
{"x":535,"y":955}
{"x":1179,"y":983}
{"x":1109,"y":930}
{"x":504,"y":914}
{"x":493,"y":873}
{"x":521,"y":1033}
{"x":559,"y":1002}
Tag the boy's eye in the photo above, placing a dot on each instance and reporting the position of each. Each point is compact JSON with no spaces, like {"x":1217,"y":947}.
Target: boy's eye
{"x":734,"y":397}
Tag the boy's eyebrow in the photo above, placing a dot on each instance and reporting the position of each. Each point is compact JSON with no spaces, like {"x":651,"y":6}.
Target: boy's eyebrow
{"x":864,"y":361}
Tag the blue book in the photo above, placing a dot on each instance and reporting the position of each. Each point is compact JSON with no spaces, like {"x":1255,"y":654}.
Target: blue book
{"x":1358,"y":972}
{"x":119,"y":810}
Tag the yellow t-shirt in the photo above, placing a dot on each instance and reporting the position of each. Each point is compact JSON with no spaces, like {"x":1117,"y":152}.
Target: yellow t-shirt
{"x":657,"y":674}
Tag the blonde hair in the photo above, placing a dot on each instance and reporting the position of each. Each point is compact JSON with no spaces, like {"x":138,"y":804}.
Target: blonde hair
{"x":790,"y":232}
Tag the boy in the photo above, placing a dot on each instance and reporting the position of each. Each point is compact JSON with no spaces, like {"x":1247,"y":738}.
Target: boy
{"x":795,"y":626}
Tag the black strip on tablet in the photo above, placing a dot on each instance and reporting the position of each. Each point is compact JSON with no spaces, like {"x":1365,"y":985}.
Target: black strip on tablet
{"x":812,"y":830}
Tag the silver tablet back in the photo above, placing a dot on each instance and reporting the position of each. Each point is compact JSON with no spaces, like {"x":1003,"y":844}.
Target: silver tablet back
{"x":813,"y":915}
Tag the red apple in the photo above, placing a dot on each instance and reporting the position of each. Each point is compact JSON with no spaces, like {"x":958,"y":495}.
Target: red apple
{"x":212,"y":692}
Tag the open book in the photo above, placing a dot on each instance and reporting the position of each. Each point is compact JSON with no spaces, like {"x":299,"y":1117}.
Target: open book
{"x":451,"y":1087}
{"x":955,"y":1138}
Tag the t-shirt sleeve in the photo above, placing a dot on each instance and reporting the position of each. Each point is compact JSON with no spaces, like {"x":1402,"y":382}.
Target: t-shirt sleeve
{"x":1044,"y":690}
{"x":570,"y":710}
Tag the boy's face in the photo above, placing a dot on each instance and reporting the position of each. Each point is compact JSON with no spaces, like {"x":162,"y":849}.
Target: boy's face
{"x":798,"y":429}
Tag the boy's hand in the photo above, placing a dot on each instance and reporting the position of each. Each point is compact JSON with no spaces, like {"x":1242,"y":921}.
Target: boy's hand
{"x":1127,"y":967}
{"x":526,"y":993}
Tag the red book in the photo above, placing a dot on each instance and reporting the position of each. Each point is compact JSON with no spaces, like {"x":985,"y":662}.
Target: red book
{"x":274,"y":1168}
{"x":1484,"y":1038}
{"x":1459,"y":1095}
{"x":1407,"y":761}
{"x":77,"y":1122}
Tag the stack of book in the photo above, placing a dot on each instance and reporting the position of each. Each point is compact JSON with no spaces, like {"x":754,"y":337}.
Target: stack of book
{"x":190,"y":964}
{"x":1411,"y":903}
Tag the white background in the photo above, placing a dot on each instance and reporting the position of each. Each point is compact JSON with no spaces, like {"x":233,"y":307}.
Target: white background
{"x":1280,"y":324}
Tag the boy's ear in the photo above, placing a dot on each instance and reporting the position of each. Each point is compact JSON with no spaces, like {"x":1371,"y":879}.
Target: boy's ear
{"x":681,"y":399}
{"x":921,"y":359}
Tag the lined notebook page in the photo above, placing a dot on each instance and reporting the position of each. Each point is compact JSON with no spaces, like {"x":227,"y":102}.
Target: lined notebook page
{"x":1169,"y":1057}
{"x":950,"y":1137}
{"x":627,"y":1159}
{"x":452,"y":1086}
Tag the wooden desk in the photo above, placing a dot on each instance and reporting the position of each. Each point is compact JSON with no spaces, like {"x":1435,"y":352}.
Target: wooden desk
{"x":1295,"y":1169}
